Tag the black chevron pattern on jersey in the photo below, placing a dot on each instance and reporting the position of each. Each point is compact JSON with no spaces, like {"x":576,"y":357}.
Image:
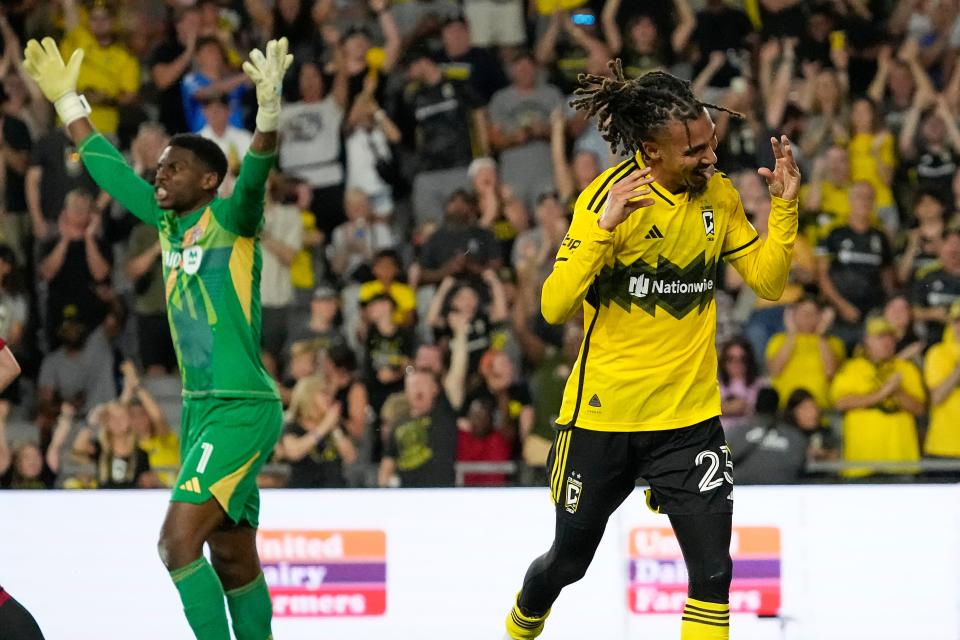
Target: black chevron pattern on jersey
{"x":674,"y":289}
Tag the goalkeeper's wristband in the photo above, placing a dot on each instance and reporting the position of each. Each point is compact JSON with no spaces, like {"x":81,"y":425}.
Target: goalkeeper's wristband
{"x":268,"y":120}
{"x":71,"y":106}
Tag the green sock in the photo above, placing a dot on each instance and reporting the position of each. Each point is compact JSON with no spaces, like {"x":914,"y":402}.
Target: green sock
{"x":251,"y":610}
{"x":202,"y":597}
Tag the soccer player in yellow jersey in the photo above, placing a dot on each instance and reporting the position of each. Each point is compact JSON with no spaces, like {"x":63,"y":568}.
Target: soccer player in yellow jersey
{"x":643,"y":400}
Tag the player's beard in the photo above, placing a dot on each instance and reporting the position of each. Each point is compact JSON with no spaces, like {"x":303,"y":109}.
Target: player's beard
{"x":698,"y":181}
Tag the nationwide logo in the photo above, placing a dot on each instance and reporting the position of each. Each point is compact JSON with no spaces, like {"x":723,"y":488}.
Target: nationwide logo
{"x":325,"y":573}
{"x":658,"y":575}
{"x":674,"y":289}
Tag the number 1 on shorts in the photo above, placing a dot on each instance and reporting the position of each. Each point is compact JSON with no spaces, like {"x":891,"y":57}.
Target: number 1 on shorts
{"x":205,"y":457}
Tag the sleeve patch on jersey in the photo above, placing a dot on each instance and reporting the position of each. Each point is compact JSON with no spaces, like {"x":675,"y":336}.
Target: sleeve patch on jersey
{"x":726,"y":254}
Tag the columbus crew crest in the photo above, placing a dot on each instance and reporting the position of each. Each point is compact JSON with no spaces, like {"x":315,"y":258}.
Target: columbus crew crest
{"x":574,"y":491}
{"x":708,"y":227}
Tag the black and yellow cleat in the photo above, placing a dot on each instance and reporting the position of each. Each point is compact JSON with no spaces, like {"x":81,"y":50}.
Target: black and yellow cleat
{"x":522,"y":626}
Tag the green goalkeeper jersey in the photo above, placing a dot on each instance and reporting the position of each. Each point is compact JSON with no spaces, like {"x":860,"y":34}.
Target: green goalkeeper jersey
{"x":211,"y":272}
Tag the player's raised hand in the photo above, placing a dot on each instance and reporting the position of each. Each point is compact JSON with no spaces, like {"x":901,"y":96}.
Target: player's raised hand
{"x":43,"y":63}
{"x":267,"y":73}
{"x":625,"y":197}
{"x":784,"y":180}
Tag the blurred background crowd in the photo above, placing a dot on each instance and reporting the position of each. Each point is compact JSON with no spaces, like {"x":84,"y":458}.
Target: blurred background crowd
{"x":428,"y":168}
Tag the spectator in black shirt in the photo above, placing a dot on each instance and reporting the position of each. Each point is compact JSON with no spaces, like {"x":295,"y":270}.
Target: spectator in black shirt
{"x":721,"y":27}
{"x":923,"y":240}
{"x":443,"y":113}
{"x":464,"y":62}
{"x":75,"y":264}
{"x":856,"y":266}
{"x":422,"y":445}
{"x":55,"y":170}
{"x":463,"y":302}
{"x":934,"y":150}
{"x":638,"y":43}
{"x":16,"y":145}
{"x":935,"y":291}
{"x":458,"y":247}
{"x":313,"y":441}
{"x":388,"y":349}
{"x":169,"y":62}
{"x":572,"y":44}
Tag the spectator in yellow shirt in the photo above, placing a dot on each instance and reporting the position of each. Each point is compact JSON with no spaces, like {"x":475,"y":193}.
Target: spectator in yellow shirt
{"x":804,"y":356}
{"x":881,"y":397}
{"x":110,"y":74}
{"x":154,"y":434}
{"x":386,"y":269}
{"x":827,"y":196}
{"x":941,"y":372}
{"x":871,"y":152}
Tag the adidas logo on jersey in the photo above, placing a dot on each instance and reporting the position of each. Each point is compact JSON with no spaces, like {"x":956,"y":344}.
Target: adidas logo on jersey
{"x":192,"y":485}
{"x":654,"y":234}
{"x":595,"y":401}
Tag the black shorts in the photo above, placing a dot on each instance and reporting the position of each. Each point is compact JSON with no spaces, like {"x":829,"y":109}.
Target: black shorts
{"x":689,"y":470}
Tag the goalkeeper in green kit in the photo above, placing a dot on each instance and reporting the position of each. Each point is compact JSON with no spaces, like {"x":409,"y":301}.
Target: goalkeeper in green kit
{"x":211,"y":268}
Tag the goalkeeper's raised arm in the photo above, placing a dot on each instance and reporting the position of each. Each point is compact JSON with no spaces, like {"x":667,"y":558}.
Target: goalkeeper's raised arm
{"x":58,"y":82}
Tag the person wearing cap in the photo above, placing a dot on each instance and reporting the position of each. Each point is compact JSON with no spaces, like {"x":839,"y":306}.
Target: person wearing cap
{"x":881,"y":397}
{"x":322,"y":329}
{"x":939,"y":287}
{"x":444,"y":113}
{"x":386,"y":269}
{"x":110,"y":74}
{"x":463,"y":60}
{"x":941,"y":372}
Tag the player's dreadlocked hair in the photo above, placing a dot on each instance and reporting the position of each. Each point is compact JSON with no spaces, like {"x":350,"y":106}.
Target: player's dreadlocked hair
{"x":631,"y":111}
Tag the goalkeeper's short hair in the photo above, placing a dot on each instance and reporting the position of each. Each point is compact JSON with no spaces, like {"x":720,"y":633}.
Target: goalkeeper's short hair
{"x":206,"y":150}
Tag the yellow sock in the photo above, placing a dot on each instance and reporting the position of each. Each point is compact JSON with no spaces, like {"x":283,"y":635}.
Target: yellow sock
{"x":521,"y":626}
{"x":705,"y":621}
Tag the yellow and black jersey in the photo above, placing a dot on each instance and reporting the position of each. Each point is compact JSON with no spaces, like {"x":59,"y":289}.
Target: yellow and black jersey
{"x":648,"y":360}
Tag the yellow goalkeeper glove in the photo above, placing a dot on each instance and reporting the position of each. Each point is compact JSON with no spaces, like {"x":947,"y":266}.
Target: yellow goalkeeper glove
{"x":57,"y":81}
{"x":267,"y":74}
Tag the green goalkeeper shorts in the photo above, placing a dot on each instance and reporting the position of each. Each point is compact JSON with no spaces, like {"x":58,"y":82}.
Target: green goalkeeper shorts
{"x":223,"y":444}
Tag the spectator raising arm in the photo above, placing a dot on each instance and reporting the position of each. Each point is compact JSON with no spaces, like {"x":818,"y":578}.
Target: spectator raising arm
{"x":166,"y":74}
{"x":455,"y":382}
{"x":99,"y":266}
{"x":9,"y":370}
{"x":908,"y":133}
{"x":392,"y":42}
{"x":9,"y":367}
{"x":60,"y":433}
{"x":38,"y":223}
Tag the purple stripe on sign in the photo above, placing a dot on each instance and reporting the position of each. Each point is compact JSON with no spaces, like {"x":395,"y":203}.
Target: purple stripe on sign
{"x":315,"y":575}
{"x":658,"y":572}
{"x":747,"y":569}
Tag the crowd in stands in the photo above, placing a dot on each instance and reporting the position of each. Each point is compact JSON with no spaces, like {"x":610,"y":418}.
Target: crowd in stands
{"x":428,"y":167}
